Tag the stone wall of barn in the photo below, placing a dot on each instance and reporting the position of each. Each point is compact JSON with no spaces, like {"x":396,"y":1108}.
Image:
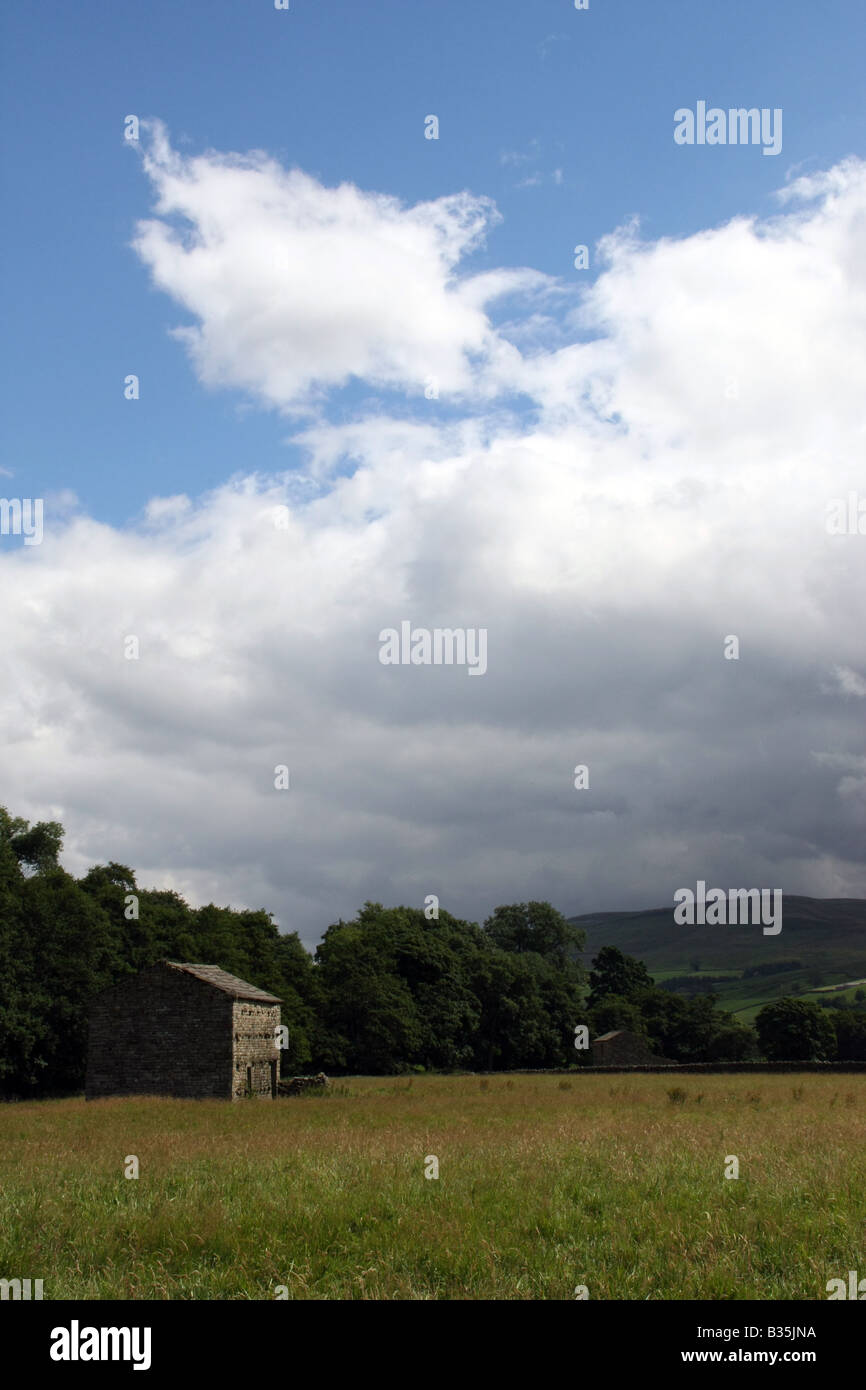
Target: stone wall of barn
{"x":161,"y":1032}
{"x":256,"y":1057}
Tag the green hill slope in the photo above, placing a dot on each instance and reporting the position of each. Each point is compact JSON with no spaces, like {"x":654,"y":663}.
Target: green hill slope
{"x":825,"y":936}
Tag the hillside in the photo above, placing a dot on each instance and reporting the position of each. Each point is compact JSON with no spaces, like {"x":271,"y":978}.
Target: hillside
{"x":826,"y":936}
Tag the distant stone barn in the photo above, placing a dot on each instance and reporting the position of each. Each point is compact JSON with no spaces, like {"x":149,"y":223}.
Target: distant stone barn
{"x":183,"y":1030}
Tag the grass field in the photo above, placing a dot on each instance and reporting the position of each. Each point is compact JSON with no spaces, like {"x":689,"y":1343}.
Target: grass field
{"x":545,"y":1183}
{"x":745,"y":997}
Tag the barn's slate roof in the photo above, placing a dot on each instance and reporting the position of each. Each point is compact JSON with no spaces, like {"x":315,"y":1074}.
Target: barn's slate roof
{"x":605,"y":1037}
{"x":221,"y":979}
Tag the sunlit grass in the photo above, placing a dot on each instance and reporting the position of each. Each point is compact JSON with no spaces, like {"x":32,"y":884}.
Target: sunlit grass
{"x":609,"y":1182}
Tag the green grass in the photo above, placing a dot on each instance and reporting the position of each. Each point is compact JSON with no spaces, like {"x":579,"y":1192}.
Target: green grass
{"x":605,"y":1181}
{"x":660,"y":975}
{"x":746,"y":997}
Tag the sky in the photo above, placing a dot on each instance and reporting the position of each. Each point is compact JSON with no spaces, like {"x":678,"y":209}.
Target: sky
{"x":284,"y":373}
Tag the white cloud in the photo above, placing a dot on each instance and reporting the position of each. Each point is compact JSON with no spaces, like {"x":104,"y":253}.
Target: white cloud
{"x":609,"y":542}
{"x":850,"y":682}
{"x":297,"y":288}
{"x":161,"y":509}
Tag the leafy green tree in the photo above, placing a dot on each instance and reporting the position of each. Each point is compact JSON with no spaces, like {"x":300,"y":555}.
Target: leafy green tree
{"x":387,"y":991}
{"x":62,"y":940}
{"x":76,"y":953}
{"x":297,"y":986}
{"x":514,"y":1028}
{"x":394,"y":961}
{"x":370,"y":1022}
{"x":613,"y":972}
{"x":612,"y":1012}
{"x":23,"y":1002}
{"x":536,"y":927}
{"x":109,"y":886}
{"x":37,"y":846}
{"x":732,"y":1041}
{"x":795,"y":1030}
{"x":850,"y":1030}
{"x":166,"y":930}
{"x":680,"y":1029}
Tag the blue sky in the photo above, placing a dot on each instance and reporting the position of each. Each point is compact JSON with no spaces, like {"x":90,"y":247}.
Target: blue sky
{"x":341,"y":89}
{"x":625,"y":466}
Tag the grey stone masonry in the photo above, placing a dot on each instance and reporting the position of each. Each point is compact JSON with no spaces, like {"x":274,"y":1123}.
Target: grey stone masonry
{"x":183,"y":1030}
{"x":299,"y":1084}
{"x":255,"y":1053}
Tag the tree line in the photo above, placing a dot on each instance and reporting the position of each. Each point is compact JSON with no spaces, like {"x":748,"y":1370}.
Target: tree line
{"x":390,"y":991}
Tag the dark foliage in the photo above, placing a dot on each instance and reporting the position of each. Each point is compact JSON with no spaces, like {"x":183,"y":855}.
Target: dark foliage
{"x":386,"y":992}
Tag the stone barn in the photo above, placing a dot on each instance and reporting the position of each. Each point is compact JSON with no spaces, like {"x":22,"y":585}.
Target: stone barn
{"x":621,"y":1049}
{"x":183,"y":1030}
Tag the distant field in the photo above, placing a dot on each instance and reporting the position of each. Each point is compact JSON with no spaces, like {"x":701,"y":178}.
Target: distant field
{"x":826,"y":935}
{"x":545,"y":1183}
{"x":745,"y":997}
